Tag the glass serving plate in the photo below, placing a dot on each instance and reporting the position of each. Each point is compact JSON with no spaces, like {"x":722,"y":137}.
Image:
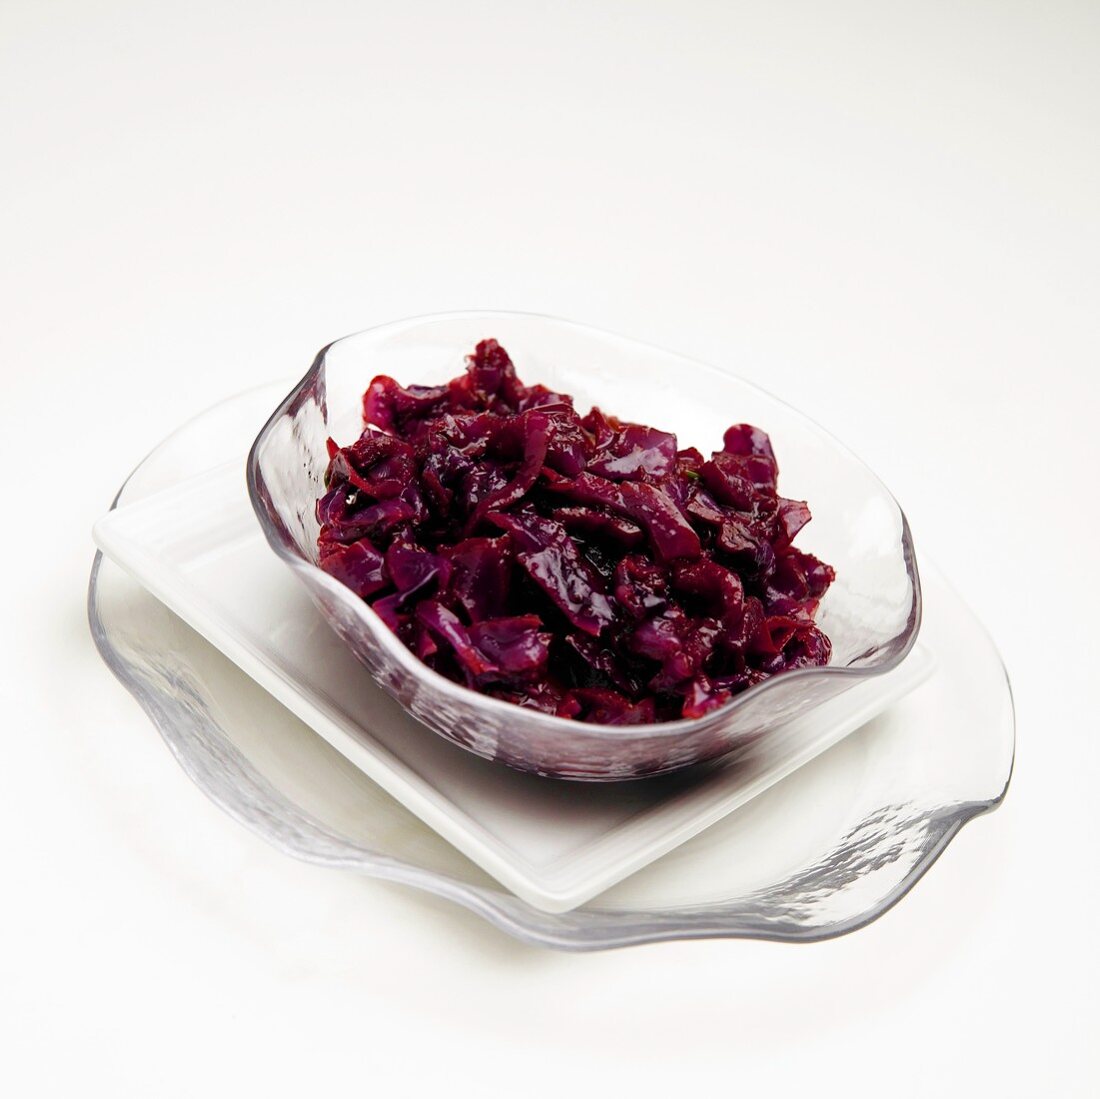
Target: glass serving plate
{"x":823,"y":852}
{"x":871,"y":613}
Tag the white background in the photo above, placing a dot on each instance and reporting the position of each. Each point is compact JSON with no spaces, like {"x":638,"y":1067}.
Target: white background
{"x":885,"y":213}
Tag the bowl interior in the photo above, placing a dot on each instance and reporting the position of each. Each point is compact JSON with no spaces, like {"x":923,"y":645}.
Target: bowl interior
{"x":871,"y":613}
{"x":857,"y":527}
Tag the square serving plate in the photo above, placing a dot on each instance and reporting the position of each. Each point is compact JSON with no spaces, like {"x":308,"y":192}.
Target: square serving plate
{"x":198,"y":549}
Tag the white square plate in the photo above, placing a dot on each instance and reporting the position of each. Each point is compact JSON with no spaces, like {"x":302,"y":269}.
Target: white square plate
{"x":197,"y":547}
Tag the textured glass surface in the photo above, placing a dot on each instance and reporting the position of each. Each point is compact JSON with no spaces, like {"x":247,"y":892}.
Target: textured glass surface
{"x":823,"y":852}
{"x":871,"y":613}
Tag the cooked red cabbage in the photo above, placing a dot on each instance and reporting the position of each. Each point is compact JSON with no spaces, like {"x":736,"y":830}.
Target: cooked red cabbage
{"x":577,"y":565}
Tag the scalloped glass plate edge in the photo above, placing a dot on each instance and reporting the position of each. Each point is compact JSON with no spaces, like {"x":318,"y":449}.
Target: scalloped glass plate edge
{"x":228,"y":778}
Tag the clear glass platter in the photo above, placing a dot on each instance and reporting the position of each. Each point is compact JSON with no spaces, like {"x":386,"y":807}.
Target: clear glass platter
{"x":823,"y":852}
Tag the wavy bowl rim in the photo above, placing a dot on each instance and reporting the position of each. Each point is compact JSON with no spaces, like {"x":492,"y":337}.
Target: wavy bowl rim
{"x":257,"y":489}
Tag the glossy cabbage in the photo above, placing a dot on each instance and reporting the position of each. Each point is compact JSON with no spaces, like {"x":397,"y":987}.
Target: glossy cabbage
{"x":580,"y":565}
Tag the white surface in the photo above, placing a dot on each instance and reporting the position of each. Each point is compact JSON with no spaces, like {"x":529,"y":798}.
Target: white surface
{"x":887,"y":213}
{"x":199,"y":549}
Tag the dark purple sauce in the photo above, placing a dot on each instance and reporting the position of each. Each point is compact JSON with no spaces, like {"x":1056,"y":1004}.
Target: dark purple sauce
{"x":579,"y":565}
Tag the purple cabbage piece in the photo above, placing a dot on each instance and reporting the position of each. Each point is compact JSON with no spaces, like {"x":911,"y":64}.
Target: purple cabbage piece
{"x":399,"y":411}
{"x":500,"y":650}
{"x":536,"y":439}
{"x":448,"y":628}
{"x":600,"y":525}
{"x":376,"y":464}
{"x":669,"y":531}
{"x":554,"y":562}
{"x":746,"y":439}
{"x":603,"y":706}
{"x":359,"y":566}
{"x":413,"y":571}
{"x":517,"y":647}
{"x":482,"y":576}
{"x":633,"y":452}
{"x":582,"y":566}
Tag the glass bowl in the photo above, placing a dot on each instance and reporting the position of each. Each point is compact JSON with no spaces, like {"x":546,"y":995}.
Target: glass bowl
{"x":871,"y":613}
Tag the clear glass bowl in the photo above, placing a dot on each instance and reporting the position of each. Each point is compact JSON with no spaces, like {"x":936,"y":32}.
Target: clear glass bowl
{"x":871,"y":613}
{"x":821,"y":853}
